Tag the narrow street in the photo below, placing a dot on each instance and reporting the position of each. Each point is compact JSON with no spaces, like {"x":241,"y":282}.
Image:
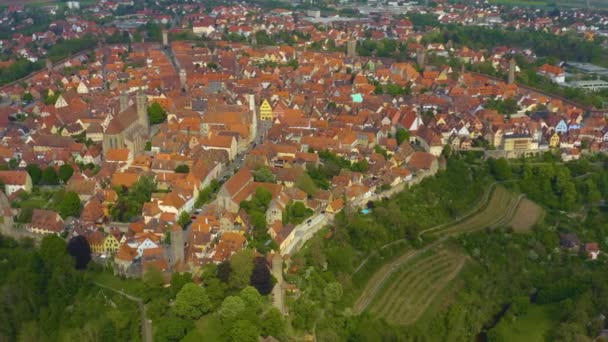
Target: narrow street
{"x":278,"y":294}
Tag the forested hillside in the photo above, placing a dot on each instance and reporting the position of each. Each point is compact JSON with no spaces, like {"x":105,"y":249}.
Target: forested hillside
{"x":44,"y":298}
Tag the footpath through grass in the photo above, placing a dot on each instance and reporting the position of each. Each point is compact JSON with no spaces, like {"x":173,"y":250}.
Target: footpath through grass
{"x":132,"y":287}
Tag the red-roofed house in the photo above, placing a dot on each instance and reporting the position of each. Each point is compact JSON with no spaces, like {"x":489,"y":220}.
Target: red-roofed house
{"x":555,"y":73}
{"x":15,"y":181}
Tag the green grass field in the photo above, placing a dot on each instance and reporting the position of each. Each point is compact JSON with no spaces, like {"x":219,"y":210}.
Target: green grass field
{"x":133,"y":287}
{"x":410,"y":290}
{"x":531,"y":327}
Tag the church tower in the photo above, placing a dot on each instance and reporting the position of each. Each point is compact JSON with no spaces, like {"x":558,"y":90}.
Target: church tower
{"x":142,"y":110}
{"x":254,"y":115}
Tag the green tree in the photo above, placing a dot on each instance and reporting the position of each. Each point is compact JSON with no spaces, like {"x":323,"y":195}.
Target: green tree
{"x":153,"y":278}
{"x":216,"y":290}
{"x":35,"y":173}
{"x":241,"y":264}
{"x":49,"y":176}
{"x":500,"y":168}
{"x":184,"y":219}
{"x":191,"y":302}
{"x":156,"y":113}
{"x":65,"y":172}
{"x":172,"y":328}
{"x":178,"y":280}
{"x":593,"y":194}
{"x":244,"y":331}
{"x":27,"y":97}
{"x":183,"y":168}
{"x":261,"y":278}
{"x":263,"y":174}
{"x":69,"y":205}
{"x":402,"y":135}
{"x":333,"y":292}
{"x":296,"y":213}
{"x":272,"y":323}
{"x":13,"y":163}
{"x":231,"y":308}
{"x":305,"y":183}
{"x":252,"y":299}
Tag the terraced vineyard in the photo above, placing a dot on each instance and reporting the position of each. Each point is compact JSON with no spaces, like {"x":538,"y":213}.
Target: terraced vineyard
{"x":401,"y":291}
{"x":413,"y":287}
{"x":526,"y":216}
{"x":499,"y":210}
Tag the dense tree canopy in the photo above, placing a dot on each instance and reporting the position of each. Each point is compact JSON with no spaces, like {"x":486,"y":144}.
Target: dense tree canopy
{"x":65,"y":172}
{"x":130,"y":201}
{"x":156,"y":113}
{"x":191,"y":302}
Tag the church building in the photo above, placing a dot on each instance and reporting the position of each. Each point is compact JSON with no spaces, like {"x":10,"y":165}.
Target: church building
{"x":130,"y":128}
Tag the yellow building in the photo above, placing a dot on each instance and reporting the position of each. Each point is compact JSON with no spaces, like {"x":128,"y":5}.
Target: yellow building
{"x":265,"y":111}
{"x":517,"y":142}
{"x":554,"y":142}
{"x":110,"y":244}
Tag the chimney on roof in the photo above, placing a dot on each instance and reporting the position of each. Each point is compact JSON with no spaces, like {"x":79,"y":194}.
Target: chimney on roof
{"x":124,"y":101}
{"x":511,"y":79}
